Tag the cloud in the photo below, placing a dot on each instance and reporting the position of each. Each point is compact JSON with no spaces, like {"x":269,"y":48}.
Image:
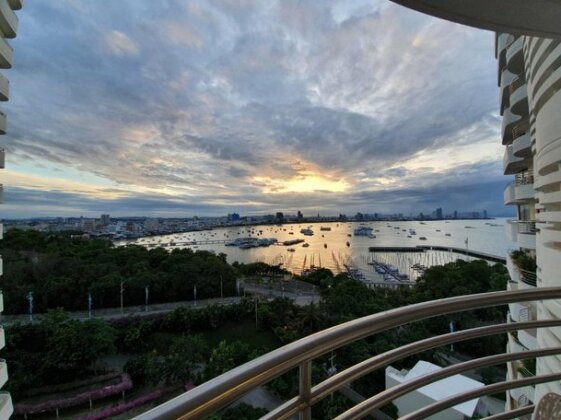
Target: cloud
{"x":120,"y":44}
{"x":463,"y":189}
{"x":222,"y":101}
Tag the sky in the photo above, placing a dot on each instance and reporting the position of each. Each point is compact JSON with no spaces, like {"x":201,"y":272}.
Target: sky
{"x":179,"y":108}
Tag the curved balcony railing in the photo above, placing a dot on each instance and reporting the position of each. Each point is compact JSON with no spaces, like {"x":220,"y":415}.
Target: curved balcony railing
{"x":519,"y":130}
{"x":516,"y":83}
{"x":227,"y":388}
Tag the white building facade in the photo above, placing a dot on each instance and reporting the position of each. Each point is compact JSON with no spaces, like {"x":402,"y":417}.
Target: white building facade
{"x":434,"y":392}
{"x":8,"y":29}
{"x":529,"y":76}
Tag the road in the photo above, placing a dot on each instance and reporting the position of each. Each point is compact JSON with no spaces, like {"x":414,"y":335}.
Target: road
{"x":162,"y":308}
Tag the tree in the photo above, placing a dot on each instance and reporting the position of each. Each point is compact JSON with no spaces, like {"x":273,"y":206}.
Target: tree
{"x":225,"y":357}
{"x":72,"y":345}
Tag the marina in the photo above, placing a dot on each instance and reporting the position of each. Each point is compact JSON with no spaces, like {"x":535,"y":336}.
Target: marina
{"x":349,"y":245}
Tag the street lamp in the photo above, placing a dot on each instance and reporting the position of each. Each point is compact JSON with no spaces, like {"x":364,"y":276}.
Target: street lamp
{"x":122,"y":292}
{"x":30,"y":300}
{"x":146,"y":297}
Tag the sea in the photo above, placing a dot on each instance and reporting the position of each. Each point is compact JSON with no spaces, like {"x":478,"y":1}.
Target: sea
{"x":338,"y":248}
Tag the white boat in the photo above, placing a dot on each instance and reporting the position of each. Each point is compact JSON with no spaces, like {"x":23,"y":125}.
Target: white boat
{"x":307,"y":232}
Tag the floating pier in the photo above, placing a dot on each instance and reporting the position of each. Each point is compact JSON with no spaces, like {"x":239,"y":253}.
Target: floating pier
{"x":423,"y":248}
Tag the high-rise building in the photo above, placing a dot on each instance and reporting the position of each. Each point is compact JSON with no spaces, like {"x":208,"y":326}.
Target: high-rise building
{"x":8,"y":28}
{"x":105,"y":219}
{"x":529,"y":76}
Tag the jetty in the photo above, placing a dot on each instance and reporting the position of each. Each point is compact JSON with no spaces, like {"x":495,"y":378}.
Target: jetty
{"x":424,"y":248}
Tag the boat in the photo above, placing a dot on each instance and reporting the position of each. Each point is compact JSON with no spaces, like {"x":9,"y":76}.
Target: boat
{"x":325,"y":228}
{"x":448,"y":234}
{"x":290,"y":249}
{"x":293,"y":242}
{"x":305,"y":245}
{"x":348,"y":244}
{"x":291,"y":233}
{"x":349,"y":235}
{"x":363,"y":231}
{"x":422,"y":238}
{"x":307,"y":232}
{"x":325,"y":245}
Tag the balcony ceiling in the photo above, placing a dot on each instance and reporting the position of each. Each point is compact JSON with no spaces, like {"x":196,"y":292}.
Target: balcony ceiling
{"x":536,"y":17}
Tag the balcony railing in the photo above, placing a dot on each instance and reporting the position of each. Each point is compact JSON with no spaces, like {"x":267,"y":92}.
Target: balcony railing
{"x":519,"y":130}
{"x":229,"y":387}
{"x":516,"y":83}
{"x":526,"y":226}
{"x":524,"y":178}
{"x":528,"y":277}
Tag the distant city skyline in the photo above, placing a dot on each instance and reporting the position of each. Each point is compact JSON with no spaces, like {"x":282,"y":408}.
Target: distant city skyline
{"x":181,"y":108}
{"x":296,"y":215}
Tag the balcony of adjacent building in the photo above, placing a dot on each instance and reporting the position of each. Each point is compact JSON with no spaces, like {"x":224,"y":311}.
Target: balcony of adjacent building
{"x":6,"y":407}
{"x":514,"y":93}
{"x":513,"y":164}
{"x":502,"y":42}
{"x":226,"y":389}
{"x":15,"y":4}
{"x":6,"y":54}
{"x":2,"y":123}
{"x":8,"y":19}
{"x":520,"y":190}
{"x":3,"y":372}
{"x":522,"y":143}
{"x":4,"y":88}
{"x":522,"y":312}
{"x":524,"y":186}
{"x":513,"y":126}
{"x":522,"y":232}
{"x":515,"y":56}
{"x":520,"y":369}
{"x":548,"y":183}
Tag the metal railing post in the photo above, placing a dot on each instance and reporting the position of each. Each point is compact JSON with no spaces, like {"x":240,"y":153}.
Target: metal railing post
{"x":305,"y":387}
